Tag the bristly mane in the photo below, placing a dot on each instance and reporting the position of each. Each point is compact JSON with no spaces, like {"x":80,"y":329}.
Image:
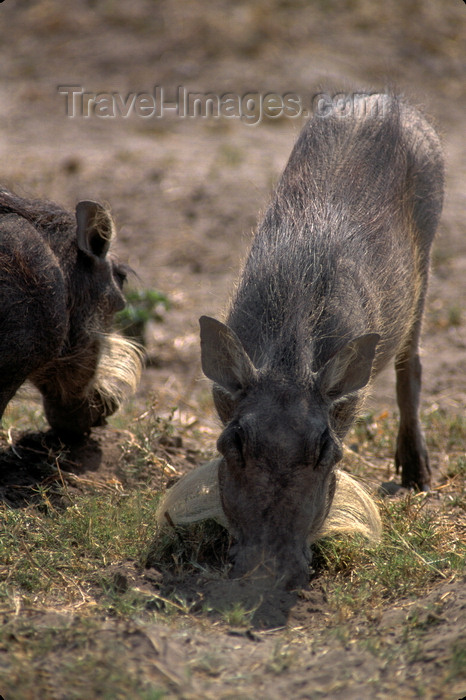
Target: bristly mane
{"x":47,"y":216}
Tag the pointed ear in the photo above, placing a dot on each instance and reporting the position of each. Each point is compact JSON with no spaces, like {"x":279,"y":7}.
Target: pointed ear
{"x":95,"y":228}
{"x":224,"y":360}
{"x":349,"y":369}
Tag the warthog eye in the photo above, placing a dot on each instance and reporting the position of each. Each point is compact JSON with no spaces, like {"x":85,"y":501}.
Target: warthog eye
{"x":231,"y":443}
{"x":120,"y":274}
{"x":325,"y":447}
{"x":238,"y":438}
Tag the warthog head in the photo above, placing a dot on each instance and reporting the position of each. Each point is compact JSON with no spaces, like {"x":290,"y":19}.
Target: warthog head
{"x":279,"y":448}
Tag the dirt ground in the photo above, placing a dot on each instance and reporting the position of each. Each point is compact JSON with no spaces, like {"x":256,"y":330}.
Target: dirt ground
{"x":186,"y":193}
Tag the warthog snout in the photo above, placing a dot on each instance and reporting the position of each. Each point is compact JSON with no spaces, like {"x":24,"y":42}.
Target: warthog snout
{"x":289,"y":569}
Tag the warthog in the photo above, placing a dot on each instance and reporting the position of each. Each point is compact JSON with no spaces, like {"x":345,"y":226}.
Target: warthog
{"x":332,"y":290}
{"x":59,"y":294}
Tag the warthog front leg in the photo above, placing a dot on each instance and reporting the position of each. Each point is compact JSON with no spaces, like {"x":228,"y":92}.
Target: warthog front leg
{"x":411,"y":451}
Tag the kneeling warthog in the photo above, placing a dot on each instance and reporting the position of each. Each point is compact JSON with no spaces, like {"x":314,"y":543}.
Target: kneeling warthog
{"x":332,"y":290}
{"x":59,"y":293}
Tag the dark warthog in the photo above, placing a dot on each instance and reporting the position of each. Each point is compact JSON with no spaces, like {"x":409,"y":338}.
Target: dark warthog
{"x":333,"y":289}
{"x":58,"y":295}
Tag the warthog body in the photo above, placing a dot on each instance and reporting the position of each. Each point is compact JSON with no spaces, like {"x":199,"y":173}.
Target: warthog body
{"x":58,"y":295}
{"x":332,"y":290}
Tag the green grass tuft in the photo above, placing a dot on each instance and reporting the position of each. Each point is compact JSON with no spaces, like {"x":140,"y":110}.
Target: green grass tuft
{"x":187,"y":548}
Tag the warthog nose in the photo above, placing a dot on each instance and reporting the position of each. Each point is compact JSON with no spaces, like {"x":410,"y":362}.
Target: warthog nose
{"x":283,"y":572}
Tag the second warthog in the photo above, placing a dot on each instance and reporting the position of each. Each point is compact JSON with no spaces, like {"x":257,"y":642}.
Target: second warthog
{"x":59,"y":293}
{"x":332,"y":290}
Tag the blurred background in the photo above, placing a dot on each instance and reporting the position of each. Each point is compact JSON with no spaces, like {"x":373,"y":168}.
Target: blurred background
{"x":186,"y":193}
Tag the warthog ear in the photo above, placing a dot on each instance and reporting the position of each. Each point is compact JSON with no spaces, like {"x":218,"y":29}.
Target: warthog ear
{"x":95,"y":228}
{"x":350,"y":368}
{"x":224,"y":360}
